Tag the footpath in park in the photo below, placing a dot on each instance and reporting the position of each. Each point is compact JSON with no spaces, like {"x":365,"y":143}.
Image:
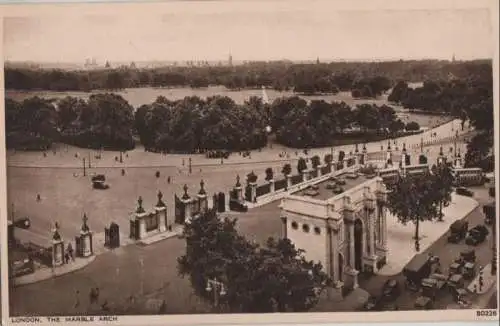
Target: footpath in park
{"x":72,"y":157}
{"x":400,"y":242}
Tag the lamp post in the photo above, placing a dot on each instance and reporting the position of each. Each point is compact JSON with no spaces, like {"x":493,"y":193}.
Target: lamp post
{"x":218,"y":289}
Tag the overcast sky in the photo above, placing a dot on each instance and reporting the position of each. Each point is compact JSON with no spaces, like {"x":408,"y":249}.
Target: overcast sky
{"x":252,"y":32}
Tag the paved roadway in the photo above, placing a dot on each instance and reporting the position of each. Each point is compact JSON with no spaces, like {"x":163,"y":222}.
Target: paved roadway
{"x":114,"y":273}
{"x":118,"y":274}
{"x":447,"y":253}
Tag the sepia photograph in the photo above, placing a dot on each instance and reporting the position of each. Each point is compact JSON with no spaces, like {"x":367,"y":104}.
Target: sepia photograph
{"x":250,"y":157}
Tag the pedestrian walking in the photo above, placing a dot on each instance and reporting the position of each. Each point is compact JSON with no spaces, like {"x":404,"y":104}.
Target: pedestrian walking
{"x":71,"y":252}
{"x":77,"y":299}
{"x":38,"y":198}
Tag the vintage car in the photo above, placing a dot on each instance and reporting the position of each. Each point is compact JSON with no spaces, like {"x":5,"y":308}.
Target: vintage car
{"x":338,"y":190}
{"x":331,"y":185}
{"x":458,"y":231}
{"x":469,"y":271}
{"x":477,"y":235}
{"x":372,"y":304}
{"x":464,"y":192}
{"x":423,"y":303}
{"x":455,"y":281}
{"x":311,"y":192}
{"x":468,"y":255}
{"x":22,"y":223}
{"x":351,"y":176}
{"x":418,"y":268}
{"x":455,"y":268}
{"x":341,"y":182}
{"x":391,"y":290}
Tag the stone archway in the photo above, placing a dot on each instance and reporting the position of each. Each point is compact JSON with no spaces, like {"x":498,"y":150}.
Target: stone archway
{"x":358,"y":244}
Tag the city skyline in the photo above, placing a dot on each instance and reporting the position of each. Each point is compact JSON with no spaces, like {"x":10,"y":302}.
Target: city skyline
{"x":296,"y":34}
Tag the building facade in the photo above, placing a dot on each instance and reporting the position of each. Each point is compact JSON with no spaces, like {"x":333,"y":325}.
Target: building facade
{"x":346,"y":233}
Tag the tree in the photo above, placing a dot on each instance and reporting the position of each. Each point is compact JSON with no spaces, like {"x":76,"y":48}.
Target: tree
{"x":68,"y":110}
{"x":413,"y":199}
{"x":280,"y":280}
{"x":398,"y":92}
{"x":301,"y":165}
{"x":412,"y":126}
{"x":270,"y":278}
{"x":396,"y":126}
{"x":443,"y":186}
{"x":269,"y":174}
{"x":212,"y":245}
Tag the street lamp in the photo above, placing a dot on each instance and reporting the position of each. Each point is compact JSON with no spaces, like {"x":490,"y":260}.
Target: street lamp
{"x":218,"y":289}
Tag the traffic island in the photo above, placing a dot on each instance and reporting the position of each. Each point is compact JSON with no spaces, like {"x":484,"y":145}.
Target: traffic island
{"x":45,"y":273}
{"x":400,"y":238}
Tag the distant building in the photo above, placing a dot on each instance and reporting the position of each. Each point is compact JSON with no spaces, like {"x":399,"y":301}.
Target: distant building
{"x":230,"y":60}
{"x":91,"y":64}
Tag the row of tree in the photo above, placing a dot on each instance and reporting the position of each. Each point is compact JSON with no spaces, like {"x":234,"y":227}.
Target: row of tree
{"x":357,"y":77}
{"x":300,"y":124}
{"x":104,"y":121}
{"x":193,"y":124}
{"x":452,"y":96}
{"x":256,"y":279}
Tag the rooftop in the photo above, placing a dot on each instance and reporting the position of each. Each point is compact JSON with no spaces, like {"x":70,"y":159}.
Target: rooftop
{"x":333,"y":187}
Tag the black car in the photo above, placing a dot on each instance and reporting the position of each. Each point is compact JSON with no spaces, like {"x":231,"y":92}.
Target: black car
{"x":464,"y":192}
{"x":372,"y":304}
{"x":477,"y":235}
{"x":23,"y":223}
{"x":391,"y":289}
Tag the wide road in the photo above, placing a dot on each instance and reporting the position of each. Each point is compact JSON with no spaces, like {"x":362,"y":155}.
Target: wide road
{"x":118,"y":275}
{"x":447,"y":252}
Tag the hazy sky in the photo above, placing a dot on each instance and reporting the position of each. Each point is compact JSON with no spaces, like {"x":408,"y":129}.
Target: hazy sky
{"x":252,"y":33}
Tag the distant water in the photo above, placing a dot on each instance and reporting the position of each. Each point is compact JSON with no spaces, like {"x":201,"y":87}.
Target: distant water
{"x":140,"y":96}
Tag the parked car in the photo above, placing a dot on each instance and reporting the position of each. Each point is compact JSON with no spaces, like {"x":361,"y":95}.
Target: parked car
{"x":456,"y":281}
{"x":431,"y":287}
{"x":469,"y":271}
{"x":464,"y":192}
{"x":477,"y":235}
{"x":417,"y":269}
{"x":331,"y":185}
{"x":338,"y":190}
{"x":341,"y":182}
{"x":23,"y":223}
{"x":455,"y":268}
{"x":391,"y":290}
{"x":423,"y":303}
{"x":468,"y":255}
{"x":458,"y":231}
{"x":372,"y":304}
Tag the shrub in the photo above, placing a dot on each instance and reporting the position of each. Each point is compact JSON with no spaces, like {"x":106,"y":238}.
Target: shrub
{"x":412,"y":126}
